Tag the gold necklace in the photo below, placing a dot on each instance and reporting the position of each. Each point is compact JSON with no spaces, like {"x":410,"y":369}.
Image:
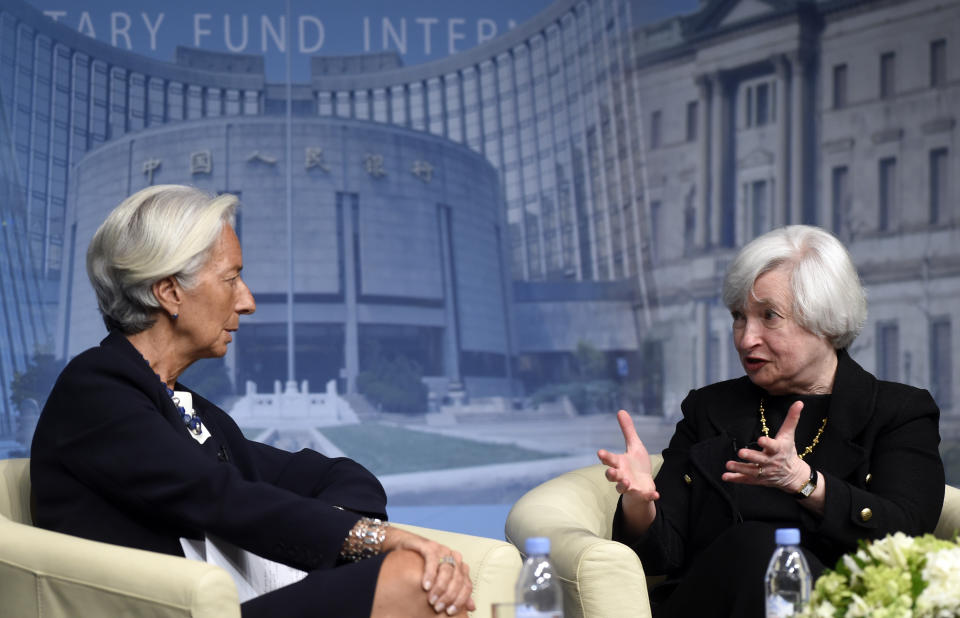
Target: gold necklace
{"x":806,"y":451}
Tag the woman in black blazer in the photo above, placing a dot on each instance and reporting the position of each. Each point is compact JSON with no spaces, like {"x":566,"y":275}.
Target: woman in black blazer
{"x":125,"y":454}
{"x":806,"y":439}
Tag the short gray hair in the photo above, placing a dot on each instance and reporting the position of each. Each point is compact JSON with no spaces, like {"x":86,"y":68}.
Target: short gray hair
{"x":158,"y":232}
{"x":828,"y":299}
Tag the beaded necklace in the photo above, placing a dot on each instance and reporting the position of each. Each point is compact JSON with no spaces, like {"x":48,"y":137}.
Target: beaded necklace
{"x":806,"y":451}
{"x":191,"y":420}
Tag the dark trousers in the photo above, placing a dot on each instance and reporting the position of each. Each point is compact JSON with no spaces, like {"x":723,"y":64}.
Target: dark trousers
{"x":726,"y":579}
{"x":342,"y":592}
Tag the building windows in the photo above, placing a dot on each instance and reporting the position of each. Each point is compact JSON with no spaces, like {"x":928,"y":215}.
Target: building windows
{"x":361,"y":105}
{"x":689,"y":223}
{"x":939,"y":204}
{"x":887,"y":194}
{"x":763,"y":104}
{"x":656,"y":120}
{"x":692,"y":111}
{"x":888,"y":75}
{"x":888,"y":351}
{"x":759,"y":102}
{"x":656,"y":231}
{"x":398,"y":105}
{"x":759,"y":207}
{"x":938,"y":63}
{"x":175,"y":101}
{"x":839,"y":86}
{"x":251,"y":102}
{"x":941,"y":363}
{"x":342,"y":104}
{"x":840,"y":201}
{"x":194,"y":102}
{"x":231,"y":102}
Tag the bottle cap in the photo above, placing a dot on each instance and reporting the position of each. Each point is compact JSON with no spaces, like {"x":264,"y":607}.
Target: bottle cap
{"x":537,"y":545}
{"x":788,"y":536}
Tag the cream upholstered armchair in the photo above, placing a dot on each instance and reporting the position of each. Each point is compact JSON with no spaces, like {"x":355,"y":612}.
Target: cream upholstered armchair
{"x":603,"y":578}
{"x":49,"y":574}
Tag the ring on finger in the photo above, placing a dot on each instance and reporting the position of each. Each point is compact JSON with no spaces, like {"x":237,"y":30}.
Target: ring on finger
{"x":759,"y":470}
{"x":449,"y":560}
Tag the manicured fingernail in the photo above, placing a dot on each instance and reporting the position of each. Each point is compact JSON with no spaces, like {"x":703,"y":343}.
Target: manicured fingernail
{"x":433,"y":599}
{"x":451,"y":610}
{"x":439,"y":606}
{"x":427,"y":584}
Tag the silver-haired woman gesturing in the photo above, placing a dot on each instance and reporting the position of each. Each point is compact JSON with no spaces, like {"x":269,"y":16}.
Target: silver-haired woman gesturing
{"x":806,"y":439}
{"x":125,"y":454}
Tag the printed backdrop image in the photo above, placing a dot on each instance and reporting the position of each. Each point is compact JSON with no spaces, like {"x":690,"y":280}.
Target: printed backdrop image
{"x":475,"y":231}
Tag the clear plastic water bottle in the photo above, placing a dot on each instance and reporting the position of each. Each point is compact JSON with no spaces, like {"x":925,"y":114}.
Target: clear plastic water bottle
{"x":539,"y":594}
{"x":788,"y":578}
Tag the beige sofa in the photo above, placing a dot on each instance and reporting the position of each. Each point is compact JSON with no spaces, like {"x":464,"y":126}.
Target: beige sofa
{"x":603,"y":578}
{"x":48,"y":574}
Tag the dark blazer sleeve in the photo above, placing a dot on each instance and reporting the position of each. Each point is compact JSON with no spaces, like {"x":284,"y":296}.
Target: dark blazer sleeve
{"x":338,"y":481}
{"x":899,"y":447}
{"x":110,"y":430}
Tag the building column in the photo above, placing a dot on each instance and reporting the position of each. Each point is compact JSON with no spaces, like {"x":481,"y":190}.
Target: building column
{"x":351,"y":344}
{"x":451,"y":331}
{"x":702,"y":330}
{"x":781,"y":213}
{"x":718,"y":114}
{"x":701,"y":238}
{"x":798,"y":70}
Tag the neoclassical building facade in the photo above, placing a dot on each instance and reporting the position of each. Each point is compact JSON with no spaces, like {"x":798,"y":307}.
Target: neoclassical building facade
{"x":836,"y":114}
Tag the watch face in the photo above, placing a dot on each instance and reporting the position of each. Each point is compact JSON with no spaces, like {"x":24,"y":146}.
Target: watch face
{"x":807,"y":489}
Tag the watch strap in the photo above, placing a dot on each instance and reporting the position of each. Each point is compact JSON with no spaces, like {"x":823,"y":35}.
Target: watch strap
{"x":810,"y":486}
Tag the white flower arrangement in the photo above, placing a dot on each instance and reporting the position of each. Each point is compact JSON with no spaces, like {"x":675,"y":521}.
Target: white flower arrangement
{"x":897,"y":576}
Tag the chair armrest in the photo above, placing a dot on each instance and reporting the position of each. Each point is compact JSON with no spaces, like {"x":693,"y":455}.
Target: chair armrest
{"x":494,"y":565}
{"x":949,"y":524}
{"x":44,"y":573}
{"x":601,"y":578}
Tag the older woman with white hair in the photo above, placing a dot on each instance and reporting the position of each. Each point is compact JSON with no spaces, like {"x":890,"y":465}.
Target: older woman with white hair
{"x":807,"y":439}
{"x":125,"y":454}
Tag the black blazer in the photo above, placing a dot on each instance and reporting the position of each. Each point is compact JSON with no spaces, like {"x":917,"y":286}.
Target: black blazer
{"x":113,"y":461}
{"x":878,"y":455}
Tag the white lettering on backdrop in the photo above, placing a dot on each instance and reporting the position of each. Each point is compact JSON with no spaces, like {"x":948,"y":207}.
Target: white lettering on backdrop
{"x":239,"y":32}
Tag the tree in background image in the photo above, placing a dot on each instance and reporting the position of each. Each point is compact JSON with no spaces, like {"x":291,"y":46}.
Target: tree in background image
{"x":392,"y":383}
{"x":29,"y":391}
{"x":211,"y":379}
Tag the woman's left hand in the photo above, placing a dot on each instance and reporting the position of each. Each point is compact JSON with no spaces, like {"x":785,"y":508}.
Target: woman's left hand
{"x":446,"y":577}
{"x":778,"y":464}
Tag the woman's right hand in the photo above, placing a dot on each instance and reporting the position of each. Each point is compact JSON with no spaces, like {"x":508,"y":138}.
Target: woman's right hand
{"x":632,"y":473}
{"x":445,"y":577}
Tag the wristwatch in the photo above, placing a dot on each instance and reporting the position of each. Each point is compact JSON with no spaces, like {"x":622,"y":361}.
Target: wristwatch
{"x":809,"y":486}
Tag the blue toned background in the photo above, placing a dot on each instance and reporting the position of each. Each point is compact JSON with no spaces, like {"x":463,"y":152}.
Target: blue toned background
{"x":419,"y":31}
{"x":491,"y":225}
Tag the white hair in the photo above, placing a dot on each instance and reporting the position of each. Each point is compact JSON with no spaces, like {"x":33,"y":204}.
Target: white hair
{"x":158,"y":232}
{"x":828,"y":299}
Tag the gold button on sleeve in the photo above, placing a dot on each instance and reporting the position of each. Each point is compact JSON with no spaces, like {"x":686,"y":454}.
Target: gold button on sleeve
{"x":687,"y":479}
{"x":866,"y":514}
{"x":868,"y":478}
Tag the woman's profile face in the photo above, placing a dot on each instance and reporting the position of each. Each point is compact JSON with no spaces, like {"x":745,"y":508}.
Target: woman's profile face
{"x":211,"y":309}
{"x":777,"y":353}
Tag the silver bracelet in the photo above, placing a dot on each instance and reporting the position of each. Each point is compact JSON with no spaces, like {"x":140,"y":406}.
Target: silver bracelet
{"x":364,"y":540}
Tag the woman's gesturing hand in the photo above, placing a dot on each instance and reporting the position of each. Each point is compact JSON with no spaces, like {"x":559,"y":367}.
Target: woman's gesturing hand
{"x":631,"y":471}
{"x":778,"y":464}
{"x":446,"y":577}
